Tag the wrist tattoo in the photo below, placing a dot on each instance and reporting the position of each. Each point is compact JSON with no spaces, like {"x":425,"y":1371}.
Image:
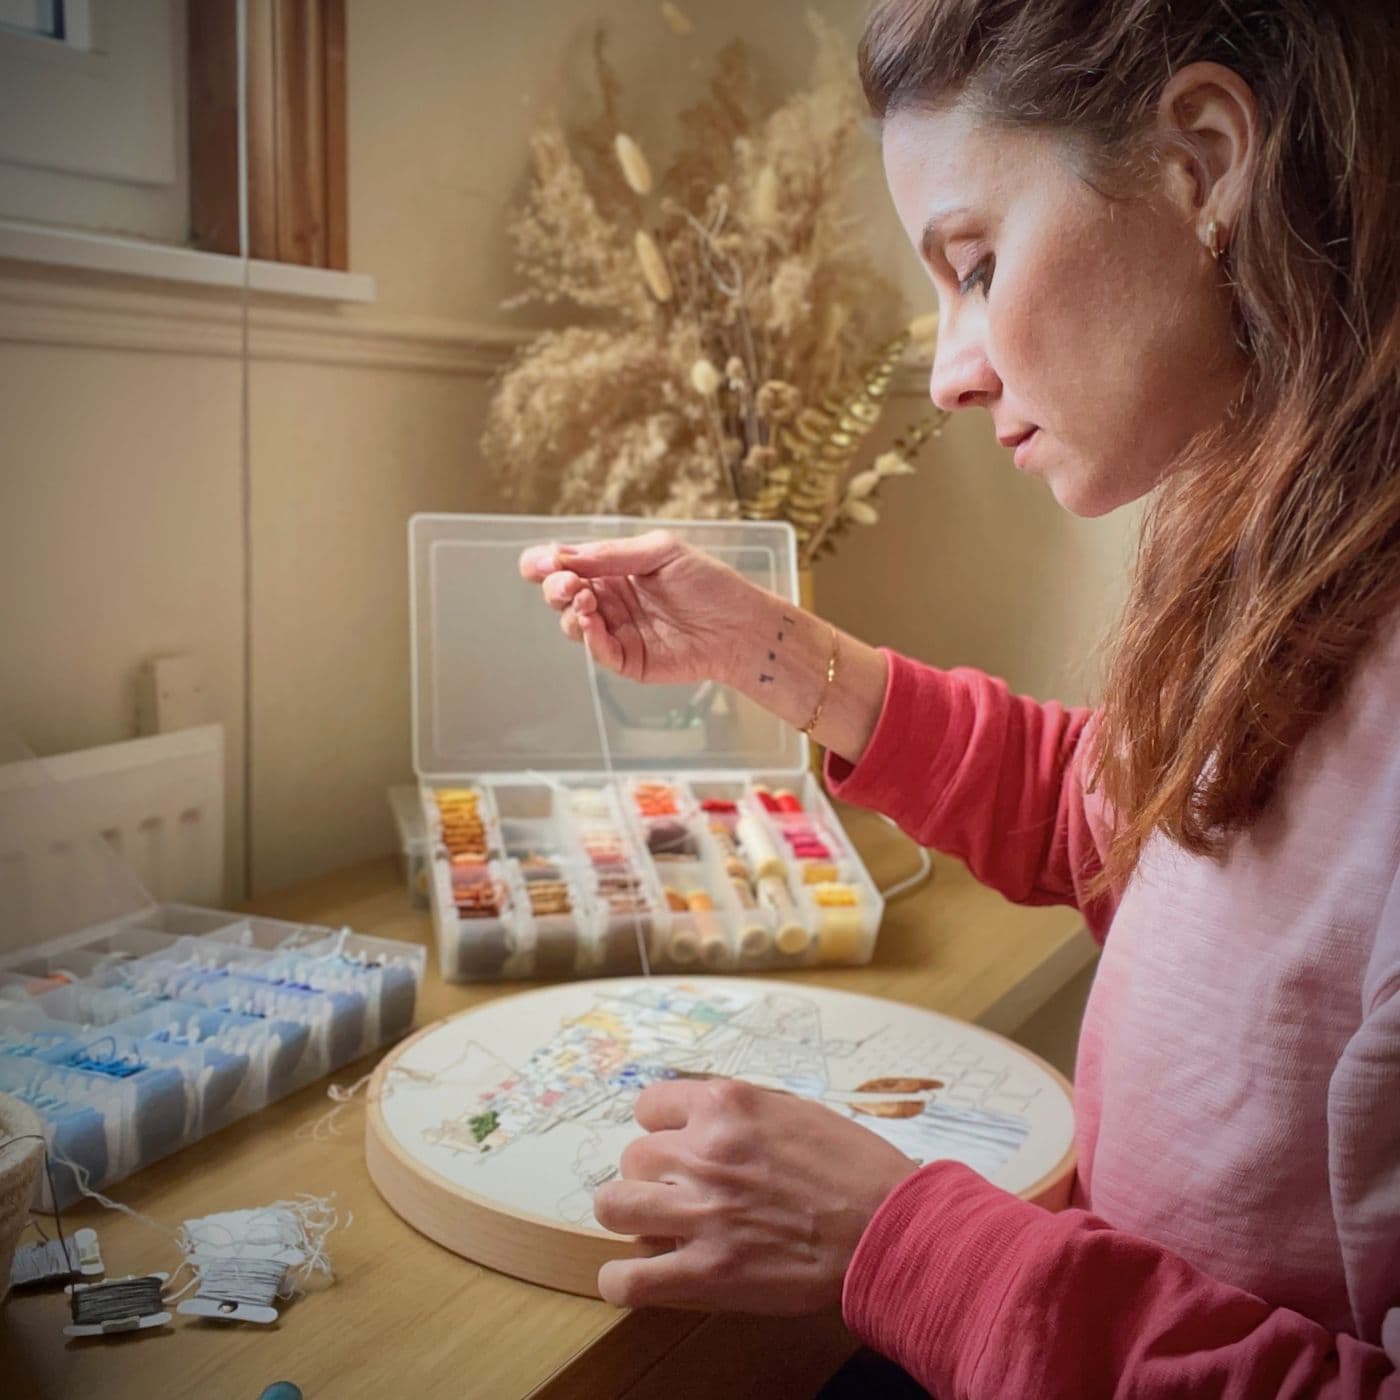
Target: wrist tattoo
{"x":764,"y":678}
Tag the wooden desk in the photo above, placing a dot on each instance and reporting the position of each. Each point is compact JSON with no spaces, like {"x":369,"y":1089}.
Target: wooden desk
{"x":407,"y":1319}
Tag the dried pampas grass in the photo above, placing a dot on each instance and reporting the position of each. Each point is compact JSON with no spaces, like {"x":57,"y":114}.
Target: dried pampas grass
{"x":743,"y":253}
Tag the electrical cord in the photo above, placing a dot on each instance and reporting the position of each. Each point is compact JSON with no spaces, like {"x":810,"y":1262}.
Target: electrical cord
{"x":909,"y":883}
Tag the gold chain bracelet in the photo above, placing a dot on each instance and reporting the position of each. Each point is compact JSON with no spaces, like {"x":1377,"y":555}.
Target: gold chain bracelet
{"x":826,"y":689}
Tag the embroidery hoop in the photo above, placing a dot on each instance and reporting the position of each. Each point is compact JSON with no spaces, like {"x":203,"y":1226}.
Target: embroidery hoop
{"x":504,"y":1218}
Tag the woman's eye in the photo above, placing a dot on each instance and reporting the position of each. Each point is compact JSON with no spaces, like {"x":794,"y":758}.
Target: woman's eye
{"x":980,"y":276}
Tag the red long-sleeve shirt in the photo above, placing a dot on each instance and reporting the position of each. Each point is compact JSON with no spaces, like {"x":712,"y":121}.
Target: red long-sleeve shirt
{"x":1236,"y":1231}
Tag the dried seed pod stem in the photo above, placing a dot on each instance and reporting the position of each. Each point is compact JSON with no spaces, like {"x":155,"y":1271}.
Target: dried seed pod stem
{"x":654,"y":270}
{"x":633,"y":164}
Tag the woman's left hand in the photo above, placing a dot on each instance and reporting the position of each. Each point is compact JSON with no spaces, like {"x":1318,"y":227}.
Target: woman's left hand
{"x":758,"y":1199}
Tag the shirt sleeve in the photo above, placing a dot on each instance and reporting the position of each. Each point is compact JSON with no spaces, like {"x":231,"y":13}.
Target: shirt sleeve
{"x":980,"y":1296}
{"x":964,"y":766}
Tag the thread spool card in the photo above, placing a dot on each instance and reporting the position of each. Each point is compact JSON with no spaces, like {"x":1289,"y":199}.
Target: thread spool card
{"x":227,"y":1311}
{"x":53,"y":1260}
{"x":241,"y":1258}
{"x":131,"y":1322}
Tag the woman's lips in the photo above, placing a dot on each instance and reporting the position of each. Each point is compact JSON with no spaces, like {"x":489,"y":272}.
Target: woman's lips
{"x":1022,"y":447}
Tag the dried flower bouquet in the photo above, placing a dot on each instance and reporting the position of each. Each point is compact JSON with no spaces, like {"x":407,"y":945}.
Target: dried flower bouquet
{"x":736,"y":349}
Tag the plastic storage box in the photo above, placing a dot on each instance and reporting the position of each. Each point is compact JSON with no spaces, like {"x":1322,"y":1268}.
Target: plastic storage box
{"x":710,"y":848}
{"x":133,"y":1028}
{"x":415,"y":845}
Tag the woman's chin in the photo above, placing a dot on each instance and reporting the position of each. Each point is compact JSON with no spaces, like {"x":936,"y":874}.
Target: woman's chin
{"x":1087,"y":491}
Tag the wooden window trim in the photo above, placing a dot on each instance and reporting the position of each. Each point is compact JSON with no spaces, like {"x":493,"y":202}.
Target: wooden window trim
{"x":297,"y":205}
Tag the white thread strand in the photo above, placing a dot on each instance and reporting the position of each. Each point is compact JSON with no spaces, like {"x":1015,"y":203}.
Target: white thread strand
{"x":327,"y":1126}
{"x":80,"y":1180}
{"x":606,"y":750}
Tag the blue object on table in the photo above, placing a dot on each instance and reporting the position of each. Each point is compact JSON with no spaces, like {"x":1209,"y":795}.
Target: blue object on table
{"x":281,"y":1390}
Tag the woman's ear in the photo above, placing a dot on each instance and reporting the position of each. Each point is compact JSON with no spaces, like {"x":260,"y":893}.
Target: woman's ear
{"x":1207,"y":124}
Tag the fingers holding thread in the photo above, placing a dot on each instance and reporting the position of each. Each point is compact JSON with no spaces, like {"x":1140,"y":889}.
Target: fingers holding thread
{"x":640,"y":554}
{"x":538,"y":562}
{"x":605,"y":649}
{"x":561,"y":589}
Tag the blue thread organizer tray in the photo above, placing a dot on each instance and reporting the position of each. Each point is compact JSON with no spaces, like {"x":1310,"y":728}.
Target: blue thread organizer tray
{"x":710,"y":844}
{"x":134,"y":1028}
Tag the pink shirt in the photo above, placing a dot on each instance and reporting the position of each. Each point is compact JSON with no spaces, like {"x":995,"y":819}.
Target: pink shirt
{"x":1236,"y":1230}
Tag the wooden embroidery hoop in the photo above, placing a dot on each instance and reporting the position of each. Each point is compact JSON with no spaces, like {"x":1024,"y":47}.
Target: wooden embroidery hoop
{"x":554,"y":1252}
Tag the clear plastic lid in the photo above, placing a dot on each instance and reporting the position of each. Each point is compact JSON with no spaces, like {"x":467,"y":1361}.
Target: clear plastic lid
{"x":497,"y":689}
{"x":57,"y":874}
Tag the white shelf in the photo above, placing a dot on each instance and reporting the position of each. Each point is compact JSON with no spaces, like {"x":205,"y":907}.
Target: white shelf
{"x":129,"y":257}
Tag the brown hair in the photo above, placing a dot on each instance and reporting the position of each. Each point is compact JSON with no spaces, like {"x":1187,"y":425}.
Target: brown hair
{"x":1271,"y":558}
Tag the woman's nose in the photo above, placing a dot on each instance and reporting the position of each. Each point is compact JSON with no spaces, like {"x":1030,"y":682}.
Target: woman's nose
{"x":962,"y":376}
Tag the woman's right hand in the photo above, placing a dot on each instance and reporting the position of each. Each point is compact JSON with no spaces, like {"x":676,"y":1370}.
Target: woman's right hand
{"x":654,"y":609}
{"x":650,"y":607}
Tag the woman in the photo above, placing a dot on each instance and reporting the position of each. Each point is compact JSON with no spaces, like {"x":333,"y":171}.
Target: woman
{"x":1163,"y":239}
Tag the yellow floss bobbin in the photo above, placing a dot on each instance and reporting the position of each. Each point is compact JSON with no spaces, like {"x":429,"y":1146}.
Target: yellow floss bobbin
{"x":829,"y":895}
{"x":841,"y":935}
{"x":841,"y":923}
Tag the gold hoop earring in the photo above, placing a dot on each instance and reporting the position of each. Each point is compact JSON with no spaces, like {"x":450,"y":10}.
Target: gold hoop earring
{"x":1213,"y":240}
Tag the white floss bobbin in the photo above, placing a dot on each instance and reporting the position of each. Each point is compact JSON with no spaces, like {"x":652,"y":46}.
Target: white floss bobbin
{"x":246,"y":1260}
{"x":55,"y":1261}
{"x":237,"y":1290}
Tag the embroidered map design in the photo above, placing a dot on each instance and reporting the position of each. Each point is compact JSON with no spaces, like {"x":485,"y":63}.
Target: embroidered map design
{"x":528,"y":1100}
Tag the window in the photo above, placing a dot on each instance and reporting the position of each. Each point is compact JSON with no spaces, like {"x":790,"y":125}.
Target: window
{"x":121,"y":118}
{"x":48,"y":19}
{"x":91,"y":122}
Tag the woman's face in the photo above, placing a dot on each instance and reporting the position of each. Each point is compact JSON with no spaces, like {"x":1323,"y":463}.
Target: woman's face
{"x":1096,"y":332}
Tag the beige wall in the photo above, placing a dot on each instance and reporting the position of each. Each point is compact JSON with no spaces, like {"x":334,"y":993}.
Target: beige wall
{"x":973,"y":564}
{"x":333,"y":488}
{"x":120,"y":539}
{"x":120,"y":482}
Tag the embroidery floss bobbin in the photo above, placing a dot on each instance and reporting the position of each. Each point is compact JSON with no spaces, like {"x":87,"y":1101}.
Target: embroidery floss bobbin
{"x":244,"y":1260}
{"x":50,"y":1261}
{"x":762,"y":854}
{"x":132,"y":1304}
{"x":840,"y":925}
{"x":233,"y":1289}
{"x":792,"y":937}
